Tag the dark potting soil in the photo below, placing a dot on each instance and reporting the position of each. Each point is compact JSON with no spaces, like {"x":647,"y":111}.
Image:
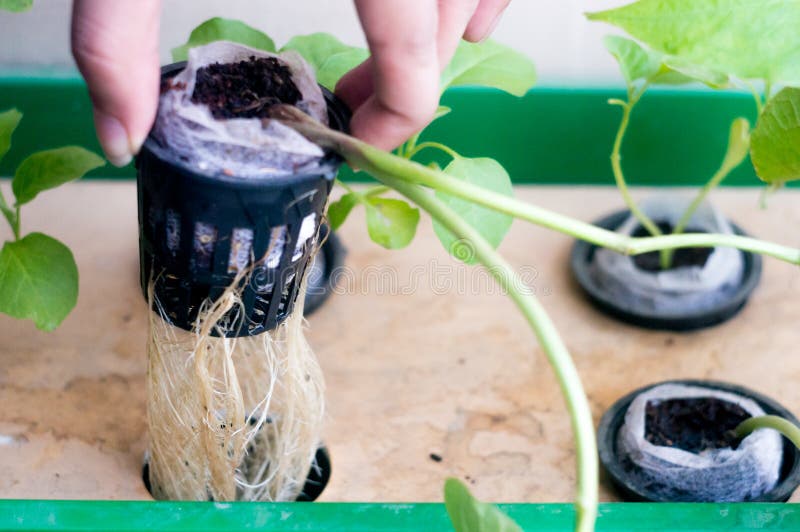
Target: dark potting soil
{"x":684,"y":257}
{"x":246,"y":89}
{"x":693,"y":425}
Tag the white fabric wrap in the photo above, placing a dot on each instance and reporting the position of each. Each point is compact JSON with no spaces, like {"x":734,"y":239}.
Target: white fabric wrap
{"x":678,"y":291}
{"x":716,"y":475}
{"x":240,"y":147}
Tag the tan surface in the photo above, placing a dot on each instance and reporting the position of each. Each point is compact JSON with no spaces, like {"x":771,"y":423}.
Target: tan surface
{"x":410,"y":372}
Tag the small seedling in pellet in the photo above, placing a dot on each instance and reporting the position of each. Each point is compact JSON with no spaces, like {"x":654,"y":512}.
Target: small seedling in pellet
{"x":681,"y":46}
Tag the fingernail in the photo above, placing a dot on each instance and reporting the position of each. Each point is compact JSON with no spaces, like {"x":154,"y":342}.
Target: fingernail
{"x":114,"y":139}
{"x":136,"y":144}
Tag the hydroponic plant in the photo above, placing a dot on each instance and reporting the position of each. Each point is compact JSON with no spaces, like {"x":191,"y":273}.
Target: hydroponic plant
{"x":450,"y":197}
{"x":722,"y":45}
{"x":38,"y":274}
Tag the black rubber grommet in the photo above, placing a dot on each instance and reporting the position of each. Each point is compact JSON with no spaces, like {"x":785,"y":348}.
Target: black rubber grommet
{"x":583,"y":252}
{"x":631,"y":490}
{"x":315,"y":483}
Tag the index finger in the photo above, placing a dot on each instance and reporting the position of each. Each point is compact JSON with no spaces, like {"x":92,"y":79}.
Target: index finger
{"x":402,"y":37}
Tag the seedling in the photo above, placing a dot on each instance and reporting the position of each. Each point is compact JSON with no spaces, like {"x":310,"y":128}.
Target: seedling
{"x":723,"y":48}
{"x":38,"y":275}
{"x":457,"y":190}
{"x":462,"y":185}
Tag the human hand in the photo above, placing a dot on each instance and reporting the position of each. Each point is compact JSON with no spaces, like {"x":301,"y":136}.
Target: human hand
{"x":395,"y":93}
{"x":116,"y":47}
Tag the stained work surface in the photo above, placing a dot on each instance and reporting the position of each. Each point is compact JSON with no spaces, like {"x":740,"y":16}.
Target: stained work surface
{"x":422,"y":356}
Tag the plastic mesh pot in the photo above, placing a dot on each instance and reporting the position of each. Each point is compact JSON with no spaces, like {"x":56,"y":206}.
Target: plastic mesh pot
{"x":198,"y":232}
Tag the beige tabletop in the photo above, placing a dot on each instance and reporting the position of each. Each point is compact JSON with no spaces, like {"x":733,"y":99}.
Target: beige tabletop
{"x":421,"y":355}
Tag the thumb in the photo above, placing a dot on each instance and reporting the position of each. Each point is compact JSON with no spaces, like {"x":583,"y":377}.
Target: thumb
{"x":115,"y":45}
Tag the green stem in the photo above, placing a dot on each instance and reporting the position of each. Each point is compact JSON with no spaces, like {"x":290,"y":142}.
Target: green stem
{"x":756,"y":97}
{"x":784,"y":426}
{"x":767,"y":91}
{"x":374,"y":160}
{"x":616,"y":164}
{"x":11,"y":215}
{"x":738,"y":147}
{"x":435,"y":145}
{"x":16,"y":223}
{"x":549,"y":339}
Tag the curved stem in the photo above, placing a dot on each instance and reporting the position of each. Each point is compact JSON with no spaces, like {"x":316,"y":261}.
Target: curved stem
{"x":738,"y":148}
{"x":782,"y":425}
{"x":616,"y":165}
{"x":435,"y":145}
{"x":373,"y":160}
{"x":11,"y":215}
{"x":549,"y":339}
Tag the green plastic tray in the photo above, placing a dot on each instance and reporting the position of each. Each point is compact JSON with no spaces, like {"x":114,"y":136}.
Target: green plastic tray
{"x":551,"y":136}
{"x":113,"y":516}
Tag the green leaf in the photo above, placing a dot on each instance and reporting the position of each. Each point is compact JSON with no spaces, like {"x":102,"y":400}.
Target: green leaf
{"x":635,"y":62}
{"x":738,"y":143}
{"x":468,"y":514}
{"x":38,"y":280}
{"x":339,"y":210}
{"x":744,"y":38}
{"x":9,"y":120}
{"x":330,"y":57}
{"x":775,"y":142}
{"x":490,"y":64}
{"x":441,"y":111}
{"x":16,"y":6}
{"x":50,"y":168}
{"x":493,"y":226}
{"x":639,"y":63}
{"x":223,"y":29}
{"x":391,"y":223}
{"x":676,"y":71}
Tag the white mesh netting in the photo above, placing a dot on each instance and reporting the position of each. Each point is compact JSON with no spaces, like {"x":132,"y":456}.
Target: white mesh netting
{"x":715,"y":475}
{"x":682,"y":290}
{"x":241,"y":147}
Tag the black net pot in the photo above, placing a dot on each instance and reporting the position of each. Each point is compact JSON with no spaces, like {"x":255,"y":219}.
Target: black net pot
{"x":321,"y":274}
{"x":628,"y":484}
{"x":316,"y":480}
{"x":195,"y":228}
{"x":724,"y":308}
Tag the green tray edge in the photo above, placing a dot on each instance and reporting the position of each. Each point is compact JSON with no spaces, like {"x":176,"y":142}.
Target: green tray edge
{"x":551,"y":136}
{"x":113,"y":516}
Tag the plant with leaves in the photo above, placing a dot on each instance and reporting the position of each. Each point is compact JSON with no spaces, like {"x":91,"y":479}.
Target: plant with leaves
{"x":16,"y":6}
{"x":471,"y":204}
{"x":730,"y":43}
{"x":468,"y":514}
{"x":38,"y":275}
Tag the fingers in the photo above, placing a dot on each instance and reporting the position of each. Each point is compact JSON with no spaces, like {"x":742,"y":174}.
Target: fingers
{"x":454,"y":15}
{"x":356,"y":86}
{"x":402,"y":35}
{"x":485,"y":19}
{"x":115,"y":45}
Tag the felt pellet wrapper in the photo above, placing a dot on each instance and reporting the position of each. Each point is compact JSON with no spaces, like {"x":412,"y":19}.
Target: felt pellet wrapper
{"x":678,"y":291}
{"x":712,"y":475}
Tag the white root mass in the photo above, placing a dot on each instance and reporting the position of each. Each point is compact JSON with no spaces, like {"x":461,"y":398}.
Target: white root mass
{"x":231,"y":419}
